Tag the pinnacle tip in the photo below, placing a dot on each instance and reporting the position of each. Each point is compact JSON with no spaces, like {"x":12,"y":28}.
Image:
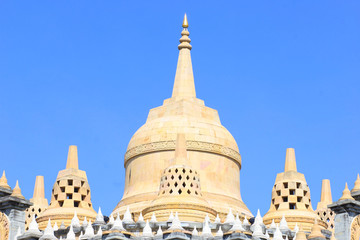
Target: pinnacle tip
{"x":185,"y":22}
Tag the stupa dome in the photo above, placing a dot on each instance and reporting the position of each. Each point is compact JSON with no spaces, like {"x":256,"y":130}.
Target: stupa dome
{"x":212,"y":150}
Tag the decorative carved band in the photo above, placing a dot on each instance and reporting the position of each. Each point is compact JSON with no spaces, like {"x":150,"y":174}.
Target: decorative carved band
{"x":4,"y":227}
{"x":190,"y":145}
{"x":355,"y":228}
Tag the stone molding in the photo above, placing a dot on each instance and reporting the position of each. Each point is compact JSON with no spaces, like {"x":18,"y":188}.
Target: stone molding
{"x":190,"y":145}
{"x":355,"y":228}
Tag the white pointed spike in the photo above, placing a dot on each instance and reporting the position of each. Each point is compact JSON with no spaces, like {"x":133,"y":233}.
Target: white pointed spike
{"x":286,"y":237}
{"x":246,"y":222}
{"x":195,"y":232}
{"x":207,"y":218}
{"x":277,"y":234}
{"x":153,"y":218}
{"x":100,"y":217}
{"x":55,"y":227}
{"x":219,"y":233}
{"x":75,"y":220}
{"x":296,"y":228}
{"x":237,"y":226}
{"x":89,"y":231}
{"x":176,"y":224}
{"x":267,"y":236}
{"x":33,"y":226}
{"x":127,"y":216}
{"x":48,"y":232}
{"x":283,"y":224}
{"x":60,"y":238}
{"x":257,"y":233}
{"x":230,"y":217}
{"x":118,"y":224}
{"x":171,"y":217}
{"x":99,"y":233}
{"x":206,"y":231}
{"x":217,"y":219}
{"x":147,"y":232}
{"x":111,"y":220}
{"x":140,"y":218}
{"x":71,"y":234}
{"x":273,"y":225}
{"x":62,"y":225}
{"x":258,"y":218}
{"x":159,"y":232}
{"x":84,"y":223}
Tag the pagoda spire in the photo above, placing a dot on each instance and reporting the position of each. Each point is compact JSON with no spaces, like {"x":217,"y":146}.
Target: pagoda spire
{"x":290,"y":160}
{"x":39,"y":193}
{"x":39,"y":187}
{"x":326,"y":197}
{"x":184,"y":86}
{"x":72,"y":159}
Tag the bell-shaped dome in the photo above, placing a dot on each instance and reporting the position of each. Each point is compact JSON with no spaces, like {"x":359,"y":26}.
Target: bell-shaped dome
{"x":212,"y":150}
{"x":70,"y":195}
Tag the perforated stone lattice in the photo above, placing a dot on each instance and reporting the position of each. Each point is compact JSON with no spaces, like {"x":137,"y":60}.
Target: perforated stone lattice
{"x":30,"y":212}
{"x":327,"y":216}
{"x":291,"y":195}
{"x":71,"y":192}
{"x":178,"y":180}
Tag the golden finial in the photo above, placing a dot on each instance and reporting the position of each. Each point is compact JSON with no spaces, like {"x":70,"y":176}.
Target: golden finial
{"x":3,"y":181}
{"x":185,"y":22}
{"x":346,"y":193}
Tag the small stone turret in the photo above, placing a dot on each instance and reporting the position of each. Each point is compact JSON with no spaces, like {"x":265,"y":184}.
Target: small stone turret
{"x":356,"y":185}
{"x":316,"y":232}
{"x":71,"y":192}
{"x":346,"y":194}
{"x":180,"y":190}
{"x":17,"y":191}
{"x":325,"y":214}
{"x":291,"y":197}
{"x":3,"y":181}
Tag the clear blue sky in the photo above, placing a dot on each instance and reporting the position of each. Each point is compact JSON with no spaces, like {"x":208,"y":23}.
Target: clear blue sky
{"x":280,"y":73}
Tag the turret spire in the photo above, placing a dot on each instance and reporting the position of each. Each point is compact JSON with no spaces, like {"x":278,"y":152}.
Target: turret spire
{"x":290,"y":161}
{"x":39,"y":187}
{"x":39,"y":193}
{"x":184,"y":86}
{"x":72,"y":160}
{"x":326,"y":197}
